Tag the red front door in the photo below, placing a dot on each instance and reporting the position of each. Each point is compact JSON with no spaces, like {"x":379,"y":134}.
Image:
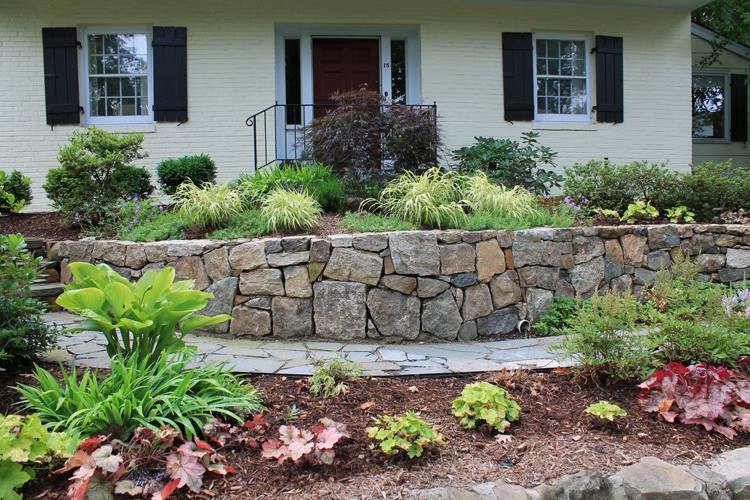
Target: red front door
{"x":344,"y":64}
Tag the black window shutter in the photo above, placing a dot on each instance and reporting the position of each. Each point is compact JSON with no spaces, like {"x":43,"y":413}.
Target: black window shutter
{"x":170,"y":74}
{"x":60,"y":47}
{"x":518,"y":76}
{"x":738,"y":113}
{"x":609,"y":94}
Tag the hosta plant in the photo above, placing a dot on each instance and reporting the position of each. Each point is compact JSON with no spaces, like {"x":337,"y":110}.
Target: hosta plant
{"x":24,"y":443}
{"x":639,"y":211}
{"x":711,"y":396}
{"x":431,"y":199}
{"x":290,"y":210}
{"x":207,"y":205}
{"x":141,"y":393}
{"x":482,"y":403}
{"x":604,"y":410}
{"x":330,"y":376}
{"x":140,"y":319}
{"x":407,"y":434}
{"x":680,"y":213}
{"x":312,"y":446}
{"x":154,"y":463}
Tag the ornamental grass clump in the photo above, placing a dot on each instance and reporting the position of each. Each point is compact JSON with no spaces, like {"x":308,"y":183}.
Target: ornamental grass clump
{"x":137,"y":319}
{"x":207,"y":205}
{"x":432,"y":199}
{"x":330,"y":376}
{"x":485,"y":404}
{"x":156,"y":391}
{"x":482,"y":195}
{"x":290,"y":210}
{"x":404,"y":434}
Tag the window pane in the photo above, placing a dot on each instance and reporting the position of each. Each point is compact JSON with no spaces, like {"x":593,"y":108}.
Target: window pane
{"x":708,"y":106}
{"x":565,"y":89}
{"x":398,"y":71}
{"x":292,"y":81}
{"x":112,"y":57}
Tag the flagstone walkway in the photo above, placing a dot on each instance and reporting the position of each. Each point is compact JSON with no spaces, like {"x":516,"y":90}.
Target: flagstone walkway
{"x":297,"y":357}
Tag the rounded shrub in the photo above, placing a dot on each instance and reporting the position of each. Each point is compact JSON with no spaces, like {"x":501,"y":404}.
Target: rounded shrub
{"x":198,"y":169}
{"x":15,"y":192}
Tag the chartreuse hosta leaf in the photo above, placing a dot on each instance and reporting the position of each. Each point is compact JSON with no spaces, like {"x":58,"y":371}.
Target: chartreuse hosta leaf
{"x":484,"y":403}
{"x":140,"y":318}
{"x":24,"y":441}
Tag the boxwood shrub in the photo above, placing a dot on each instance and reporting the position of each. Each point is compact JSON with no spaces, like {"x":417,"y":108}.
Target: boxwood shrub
{"x":197,"y":169}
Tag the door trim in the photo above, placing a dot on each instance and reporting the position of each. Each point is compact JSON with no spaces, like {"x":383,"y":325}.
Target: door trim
{"x":306,"y":32}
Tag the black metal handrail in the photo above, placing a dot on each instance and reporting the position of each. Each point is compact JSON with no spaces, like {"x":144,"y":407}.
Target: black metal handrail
{"x":279,"y":132}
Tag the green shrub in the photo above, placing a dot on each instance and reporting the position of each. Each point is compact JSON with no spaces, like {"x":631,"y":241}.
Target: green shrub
{"x":316,"y":179}
{"x":23,"y":332}
{"x":604,"y":410}
{"x":481,"y":195}
{"x":715,"y":187}
{"x":511,"y":163}
{"x":24,"y":443}
{"x":406,"y":434}
{"x":248,"y":224}
{"x":363,"y":222}
{"x":164,"y":226}
{"x":150,"y":392}
{"x":691,"y":342}
{"x":607,"y":185}
{"x":208,"y":206}
{"x":602,"y":340}
{"x":330,"y":376}
{"x":95,"y":173}
{"x":15,"y":192}
{"x":431,"y":199}
{"x":482,"y":403}
{"x":196,"y":169}
{"x":290,"y":210}
{"x":137,"y":319}
{"x":559,"y":317}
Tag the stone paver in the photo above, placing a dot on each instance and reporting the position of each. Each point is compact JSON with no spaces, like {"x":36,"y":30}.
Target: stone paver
{"x":297,"y":358}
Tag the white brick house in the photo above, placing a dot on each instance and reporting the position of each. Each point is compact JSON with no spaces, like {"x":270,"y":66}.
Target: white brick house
{"x":493,"y":68}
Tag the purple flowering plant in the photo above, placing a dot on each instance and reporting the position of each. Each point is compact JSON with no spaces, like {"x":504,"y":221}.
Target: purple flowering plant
{"x":137,"y":209}
{"x":737,"y":304}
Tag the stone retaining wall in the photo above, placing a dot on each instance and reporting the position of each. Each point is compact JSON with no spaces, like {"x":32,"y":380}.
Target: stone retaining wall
{"x":723,"y":477}
{"x":419,"y":284}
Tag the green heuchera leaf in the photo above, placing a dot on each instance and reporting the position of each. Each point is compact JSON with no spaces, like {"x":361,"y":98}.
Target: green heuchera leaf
{"x":406,"y":433}
{"x":485,"y":403}
{"x":25,"y":440}
{"x":606,"y":410}
{"x":142,"y":318}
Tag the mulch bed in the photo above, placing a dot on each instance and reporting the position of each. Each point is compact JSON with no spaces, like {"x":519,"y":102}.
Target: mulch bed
{"x":45,"y":226}
{"x":553,"y":438}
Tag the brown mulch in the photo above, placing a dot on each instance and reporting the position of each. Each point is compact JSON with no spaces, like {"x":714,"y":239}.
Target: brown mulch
{"x":553,"y":438}
{"x":44,"y":225}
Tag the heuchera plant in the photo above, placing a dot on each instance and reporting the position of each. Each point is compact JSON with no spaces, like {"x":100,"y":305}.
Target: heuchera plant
{"x":406,"y":433}
{"x":711,"y":396}
{"x":306,"y":446}
{"x":103,"y":467}
{"x":482,"y":403}
{"x":605,"y":410}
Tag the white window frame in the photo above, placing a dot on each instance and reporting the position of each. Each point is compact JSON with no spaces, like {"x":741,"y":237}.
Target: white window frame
{"x":727,"y":106}
{"x":559,"y":117}
{"x":84,"y":76}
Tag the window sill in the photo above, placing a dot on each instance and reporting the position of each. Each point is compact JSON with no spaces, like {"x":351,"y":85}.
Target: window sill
{"x":699,"y":140}
{"x":578,"y":126}
{"x":125,"y":128}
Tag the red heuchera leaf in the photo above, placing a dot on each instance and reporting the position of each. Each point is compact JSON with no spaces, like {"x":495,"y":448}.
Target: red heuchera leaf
{"x":302,"y":445}
{"x":203,"y":445}
{"x":89,"y":445}
{"x":697,"y":394}
{"x":167,"y":490}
